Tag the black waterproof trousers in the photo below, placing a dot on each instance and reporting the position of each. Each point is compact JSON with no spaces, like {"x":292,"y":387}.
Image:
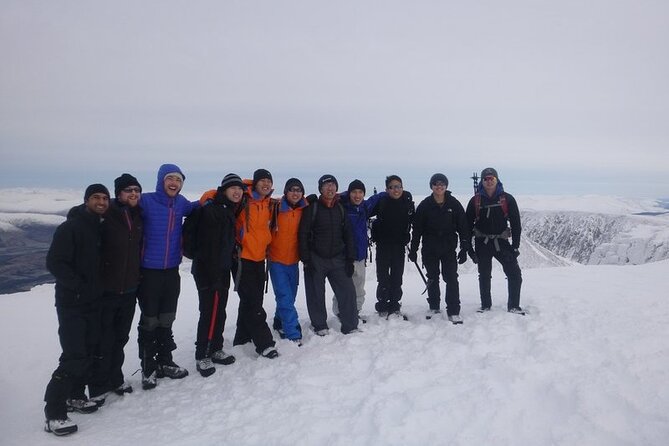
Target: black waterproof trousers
{"x":448,"y":264}
{"x":117,"y":312}
{"x":213,"y":302}
{"x":252,"y":318}
{"x":505,"y":256}
{"x":78,"y":332}
{"x":389,"y":272}
{"x":158,"y":296}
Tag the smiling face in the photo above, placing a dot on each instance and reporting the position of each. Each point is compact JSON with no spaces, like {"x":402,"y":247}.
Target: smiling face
{"x":294,"y":195}
{"x":129,"y":196}
{"x":264,"y":186}
{"x":356,"y":196}
{"x":394,"y":189}
{"x":490,"y":185}
{"x":98,"y":203}
{"x":329,"y":190}
{"x":234,"y":193}
{"x":173,"y":185}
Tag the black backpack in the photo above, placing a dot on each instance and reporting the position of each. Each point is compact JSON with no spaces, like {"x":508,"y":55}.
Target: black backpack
{"x":189,"y":232}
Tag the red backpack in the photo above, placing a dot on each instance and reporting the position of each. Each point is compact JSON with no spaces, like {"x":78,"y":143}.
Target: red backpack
{"x":501,"y":202}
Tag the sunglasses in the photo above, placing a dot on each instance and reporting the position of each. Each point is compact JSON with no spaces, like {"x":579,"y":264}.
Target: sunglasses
{"x":129,"y":190}
{"x":295,"y":189}
{"x":439,"y":184}
{"x":395,"y":187}
{"x":490,"y":178}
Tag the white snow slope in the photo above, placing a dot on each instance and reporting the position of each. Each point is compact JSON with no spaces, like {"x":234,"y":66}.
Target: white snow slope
{"x":588,"y":366}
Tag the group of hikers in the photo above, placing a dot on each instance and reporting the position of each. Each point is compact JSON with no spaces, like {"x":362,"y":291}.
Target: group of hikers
{"x":110,"y":253}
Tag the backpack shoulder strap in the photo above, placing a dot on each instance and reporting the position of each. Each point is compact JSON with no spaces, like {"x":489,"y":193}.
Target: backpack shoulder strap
{"x":477,"y":205}
{"x":505,"y":205}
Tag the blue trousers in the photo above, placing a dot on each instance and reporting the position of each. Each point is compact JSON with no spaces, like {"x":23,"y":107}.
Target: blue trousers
{"x":285,"y":279}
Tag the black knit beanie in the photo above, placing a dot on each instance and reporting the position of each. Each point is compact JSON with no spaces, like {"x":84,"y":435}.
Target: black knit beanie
{"x":292,"y":182}
{"x":327,"y":178}
{"x":261,"y":174}
{"x":434,"y":179}
{"x":125,"y":180}
{"x":357,"y":184}
{"x":95,"y":189}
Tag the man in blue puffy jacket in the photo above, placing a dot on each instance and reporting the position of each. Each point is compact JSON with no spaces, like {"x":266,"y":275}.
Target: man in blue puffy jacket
{"x":160,"y":283}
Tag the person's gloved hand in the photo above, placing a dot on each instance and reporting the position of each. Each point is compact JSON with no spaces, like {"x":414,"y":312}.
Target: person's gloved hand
{"x":413,"y":256}
{"x":462,"y":256}
{"x":349,"y":268}
{"x":473,"y":255}
{"x":516,"y":253}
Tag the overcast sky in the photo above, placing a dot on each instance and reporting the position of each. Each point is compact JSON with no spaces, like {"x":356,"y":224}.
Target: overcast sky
{"x":560,"y":96}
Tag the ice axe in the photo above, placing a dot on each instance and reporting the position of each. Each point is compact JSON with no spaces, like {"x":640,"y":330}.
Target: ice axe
{"x":422,"y":276}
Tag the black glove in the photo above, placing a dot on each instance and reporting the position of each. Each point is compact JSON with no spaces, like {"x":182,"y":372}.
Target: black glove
{"x":413,"y":256}
{"x":349,"y":268}
{"x":516,"y":253}
{"x":312,"y":198}
{"x":473,"y":255}
{"x":462,"y":256}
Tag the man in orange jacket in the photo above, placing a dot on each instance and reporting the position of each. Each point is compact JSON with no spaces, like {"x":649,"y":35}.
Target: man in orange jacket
{"x":253,"y":236}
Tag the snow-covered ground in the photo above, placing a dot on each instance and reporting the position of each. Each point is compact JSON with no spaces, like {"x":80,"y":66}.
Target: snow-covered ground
{"x":589,"y":365}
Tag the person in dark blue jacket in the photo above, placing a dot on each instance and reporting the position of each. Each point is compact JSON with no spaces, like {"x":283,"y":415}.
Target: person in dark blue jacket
{"x":160,"y":283}
{"x":358,"y":210}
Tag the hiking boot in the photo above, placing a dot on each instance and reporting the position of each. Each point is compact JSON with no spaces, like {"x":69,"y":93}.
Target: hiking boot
{"x":322,"y":332}
{"x":483,"y":309}
{"x":297,"y":341}
{"x":397,"y":315}
{"x":432,"y":312}
{"x":99,"y":400}
{"x":270,"y":353}
{"x":149,"y":382}
{"x":220,"y":357}
{"x":60,"y":427}
{"x":517,"y":310}
{"x":123,"y":389}
{"x":355,"y":330}
{"x":455,"y":319}
{"x":205,"y":367}
{"x":81,"y":406}
{"x":171,"y":370}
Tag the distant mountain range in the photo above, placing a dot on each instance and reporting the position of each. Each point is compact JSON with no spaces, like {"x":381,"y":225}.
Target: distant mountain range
{"x":616,"y":232}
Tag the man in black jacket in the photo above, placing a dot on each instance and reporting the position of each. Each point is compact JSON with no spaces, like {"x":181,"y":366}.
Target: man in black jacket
{"x":491,"y":211}
{"x":439,"y":220}
{"x":390,"y":232}
{"x":212,"y":265}
{"x":74,"y":260}
{"x":327,"y":250}
{"x":121,"y":245}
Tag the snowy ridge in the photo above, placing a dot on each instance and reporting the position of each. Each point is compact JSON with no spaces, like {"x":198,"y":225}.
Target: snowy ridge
{"x":594,"y":239}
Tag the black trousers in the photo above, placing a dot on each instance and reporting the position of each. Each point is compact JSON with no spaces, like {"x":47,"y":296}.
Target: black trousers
{"x":252,"y":319}
{"x":389,"y":272}
{"x":117,"y":312}
{"x":158,"y":296}
{"x":505,"y":256}
{"x":211,"y":297}
{"x":446,"y":265}
{"x":79,"y":334}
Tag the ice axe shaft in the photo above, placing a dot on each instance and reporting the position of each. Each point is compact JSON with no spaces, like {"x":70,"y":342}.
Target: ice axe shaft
{"x":422,"y":276}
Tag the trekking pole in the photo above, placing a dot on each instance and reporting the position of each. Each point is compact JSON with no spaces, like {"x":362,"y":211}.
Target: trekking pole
{"x":212,"y":324}
{"x":475,"y":177}
{"x":422,"y":276}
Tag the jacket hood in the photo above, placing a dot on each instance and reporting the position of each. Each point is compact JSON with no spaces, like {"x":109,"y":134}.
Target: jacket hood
{"x":498,"y":191}
{"x":164,"y":170}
